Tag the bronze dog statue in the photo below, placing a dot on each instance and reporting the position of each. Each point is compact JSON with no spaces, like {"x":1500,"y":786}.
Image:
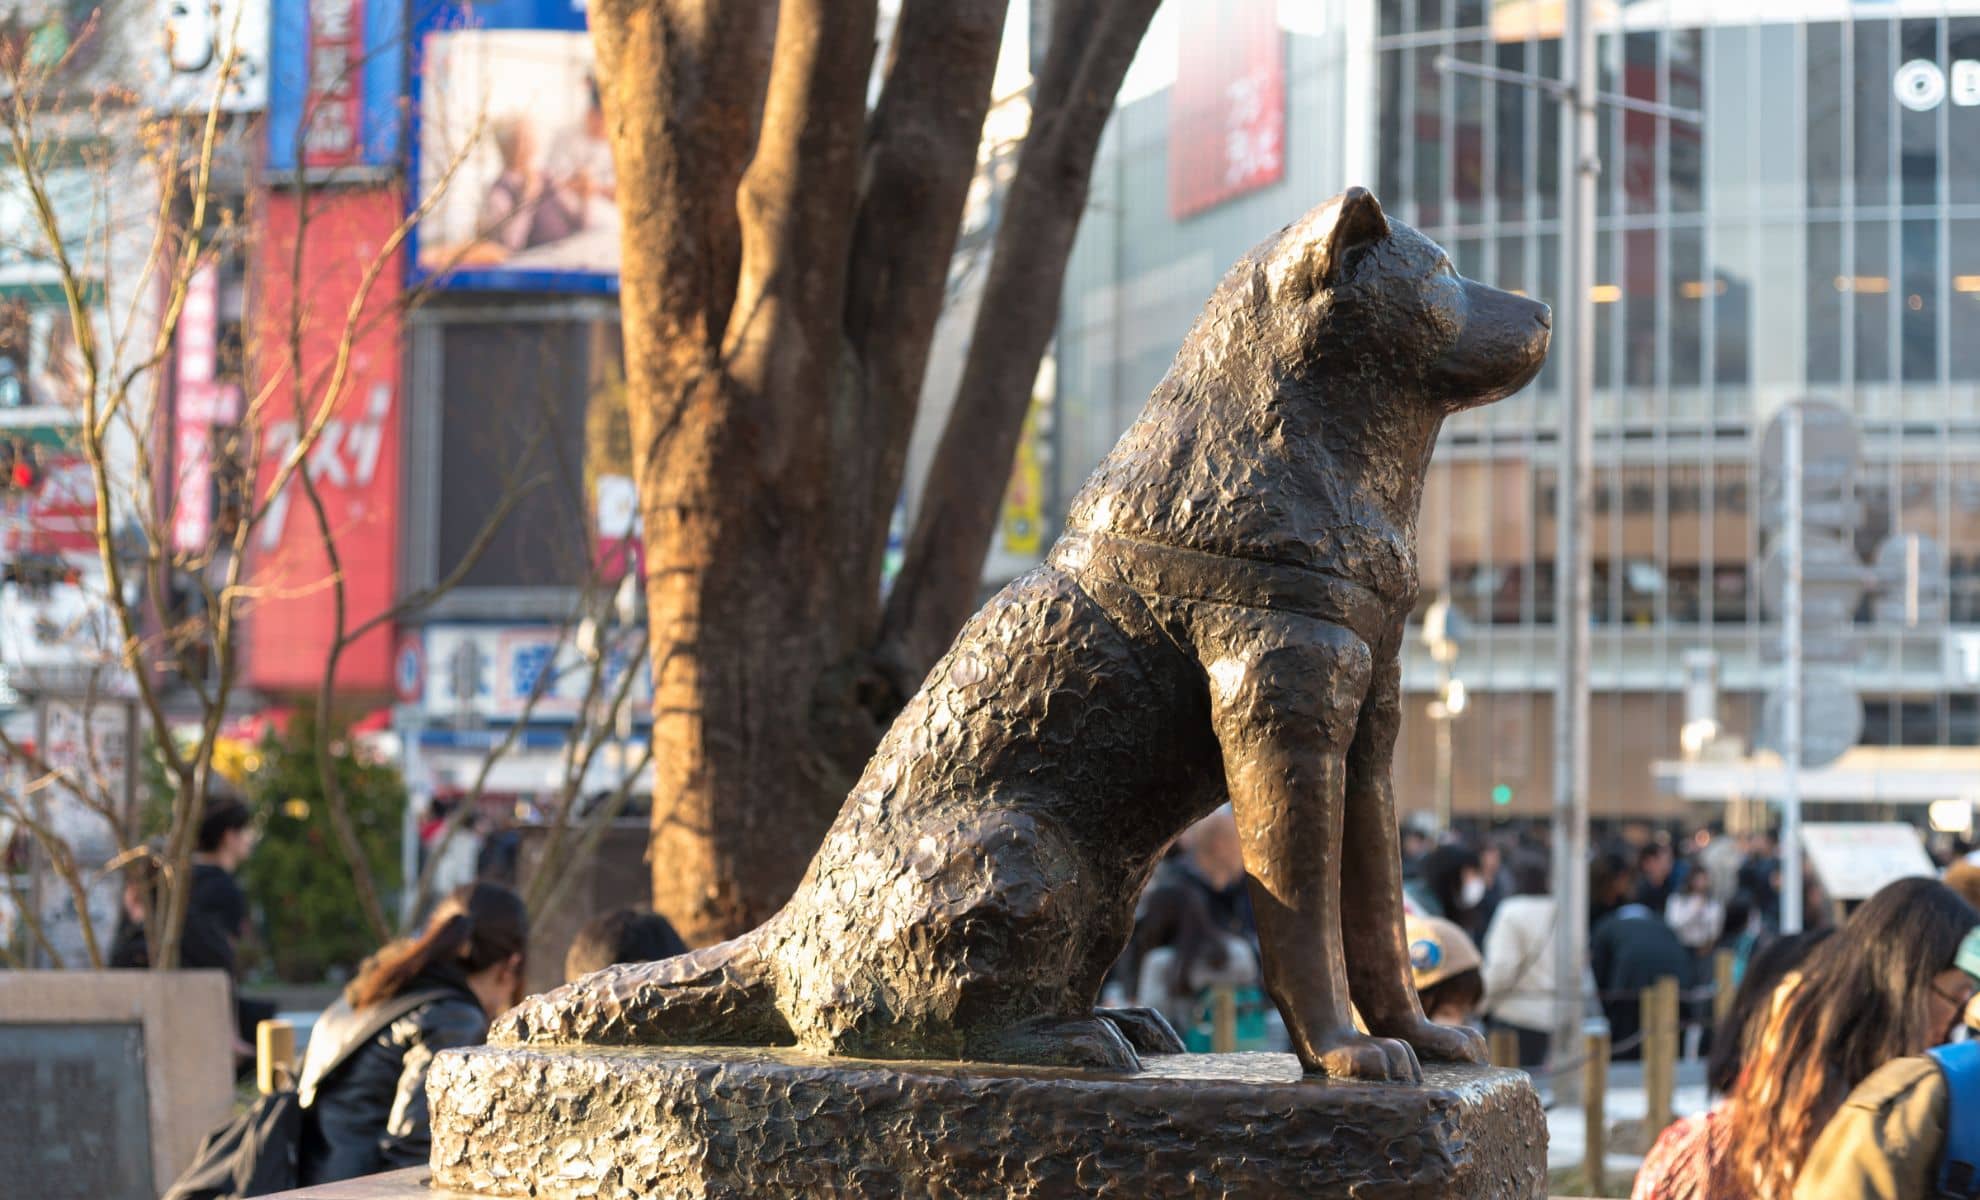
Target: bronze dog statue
{"x":1221,"y":619}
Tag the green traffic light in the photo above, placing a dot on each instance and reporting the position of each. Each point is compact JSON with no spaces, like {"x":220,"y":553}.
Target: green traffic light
{"x":1501,"y":794}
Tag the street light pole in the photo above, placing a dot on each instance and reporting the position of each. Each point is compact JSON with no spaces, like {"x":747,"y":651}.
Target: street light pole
{"x":1791,"y":665}
{"x":1571,"y":562}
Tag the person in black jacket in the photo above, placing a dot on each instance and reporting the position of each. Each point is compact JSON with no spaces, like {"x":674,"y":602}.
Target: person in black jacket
{"x":368,"y":1112}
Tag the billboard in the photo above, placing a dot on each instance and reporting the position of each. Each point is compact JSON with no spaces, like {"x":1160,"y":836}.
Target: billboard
{"x":355,"y":464}
{"x":510,"y":151}
{"x":1227,"y":121}
{"x":335,"y":76}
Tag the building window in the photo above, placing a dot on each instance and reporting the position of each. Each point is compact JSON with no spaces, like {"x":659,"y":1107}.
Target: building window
{"x":1873,"y":298}
{"x":1918,"y":318}
{"x":1964,"y":260}
{"x":1918,"y":132}
{"x":1871,"y":56}
{"x":1825,"y":81}
{"x":1826,"y":283}
{"x":1962,"y":121}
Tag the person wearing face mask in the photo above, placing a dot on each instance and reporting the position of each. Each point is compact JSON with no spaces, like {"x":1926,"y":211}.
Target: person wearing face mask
{"x":366,"y":1103}
{"x":1911,"y":1130}
{"x":1454,"y":887}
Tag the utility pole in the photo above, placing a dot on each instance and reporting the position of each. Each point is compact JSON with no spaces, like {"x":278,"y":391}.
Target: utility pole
{"x":1573,"y":497}
{"x":1791,"y":656}
{"x":1581,"y":169}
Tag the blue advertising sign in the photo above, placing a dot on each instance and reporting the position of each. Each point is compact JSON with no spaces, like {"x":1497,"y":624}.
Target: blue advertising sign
{"x":509,"y":151}
{"x":336,"y":76}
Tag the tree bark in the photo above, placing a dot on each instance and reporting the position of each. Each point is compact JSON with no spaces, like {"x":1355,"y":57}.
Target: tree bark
{"x":784,"y":264}
{"x":1092,"y":43}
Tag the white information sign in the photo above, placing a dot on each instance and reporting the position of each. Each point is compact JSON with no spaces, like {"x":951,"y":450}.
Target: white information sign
{"x":1856,"y":858}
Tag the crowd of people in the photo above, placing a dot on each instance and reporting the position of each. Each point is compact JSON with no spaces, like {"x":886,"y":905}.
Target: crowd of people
{"x":1820,"y":1070}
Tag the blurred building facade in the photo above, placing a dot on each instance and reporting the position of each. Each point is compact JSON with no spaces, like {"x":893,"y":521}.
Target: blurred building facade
{"x":1814,"y":237}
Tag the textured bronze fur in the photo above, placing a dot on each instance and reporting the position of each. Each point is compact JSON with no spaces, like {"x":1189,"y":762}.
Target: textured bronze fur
{"x":1221,"y":620}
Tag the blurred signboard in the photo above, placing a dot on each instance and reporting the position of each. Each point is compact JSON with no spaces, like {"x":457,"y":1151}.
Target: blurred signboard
{"x":511,"y":151}
{"x":200,"y":401}
{"x":491,"y":672}
{"x":215,"y":52}
{"x":48,"y":503}
{"x":1856,"y":858}
{"x":355,"y":462}
{"x":1227,"y":114}
{"x":335,"y":83}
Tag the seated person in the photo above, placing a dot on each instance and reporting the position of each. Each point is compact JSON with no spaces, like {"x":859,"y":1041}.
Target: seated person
{"x":1444,"y":964}
{"x":624,"y":936}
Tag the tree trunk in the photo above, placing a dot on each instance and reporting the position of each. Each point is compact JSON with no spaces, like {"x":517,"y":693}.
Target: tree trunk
{"x":784,"y":263}
{"x":1073,"y":98}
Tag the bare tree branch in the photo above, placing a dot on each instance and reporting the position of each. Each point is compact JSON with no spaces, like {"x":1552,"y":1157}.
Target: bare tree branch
{"x":1092,"y":43}
{"x":921,"y":145}
{"x":799,"y":195}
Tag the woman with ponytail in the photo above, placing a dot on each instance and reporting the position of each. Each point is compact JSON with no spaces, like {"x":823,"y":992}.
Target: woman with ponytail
{"x":364,"y":1077}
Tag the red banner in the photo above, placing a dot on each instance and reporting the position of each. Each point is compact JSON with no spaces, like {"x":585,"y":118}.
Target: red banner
{"x":1227,"y":114}
{"x":355,"y":462}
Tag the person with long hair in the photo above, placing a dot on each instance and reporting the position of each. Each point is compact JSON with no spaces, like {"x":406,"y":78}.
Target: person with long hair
{"x":1692,"y":1157}
{"x":1876,"y":991}
{"x":364,"y":1076}
{"x":1899,"y":1134}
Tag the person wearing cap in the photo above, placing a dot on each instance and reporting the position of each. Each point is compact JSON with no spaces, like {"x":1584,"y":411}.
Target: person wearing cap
{"x":1443,"y":963}
{"x":1911,"y":1129}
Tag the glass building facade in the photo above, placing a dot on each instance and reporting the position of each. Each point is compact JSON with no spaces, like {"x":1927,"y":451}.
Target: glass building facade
{"x":1813,"y":236}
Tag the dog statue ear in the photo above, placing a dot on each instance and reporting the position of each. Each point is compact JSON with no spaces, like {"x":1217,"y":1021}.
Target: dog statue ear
{"x":1358,"y":222}
{"x":1325,"y":238}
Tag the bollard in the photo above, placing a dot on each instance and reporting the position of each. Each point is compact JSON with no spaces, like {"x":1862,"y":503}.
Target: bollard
{"x":1660,"y":1045}
{"x":1504,"y":1044}
{"x":1594,"y":1096}
{"x":1722,"y":983}
{"x":274,"y":1056}
{"x":1223,"y":1020}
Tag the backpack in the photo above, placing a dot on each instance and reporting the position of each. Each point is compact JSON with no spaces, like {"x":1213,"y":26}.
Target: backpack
{"x":1959,"y":1161}
{"x":259,"y":1152}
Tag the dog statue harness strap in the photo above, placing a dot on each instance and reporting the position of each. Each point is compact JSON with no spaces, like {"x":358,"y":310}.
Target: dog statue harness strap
{"x":1154,"y":569}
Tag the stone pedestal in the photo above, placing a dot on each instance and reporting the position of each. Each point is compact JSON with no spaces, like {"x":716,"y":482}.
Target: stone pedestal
{"x":734,"y":1124}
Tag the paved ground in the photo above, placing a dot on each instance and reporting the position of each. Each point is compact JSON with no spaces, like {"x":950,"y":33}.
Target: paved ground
{"x":1627,"y":1101}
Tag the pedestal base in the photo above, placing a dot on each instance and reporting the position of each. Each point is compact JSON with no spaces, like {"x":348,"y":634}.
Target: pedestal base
{"x":721,"y":1124}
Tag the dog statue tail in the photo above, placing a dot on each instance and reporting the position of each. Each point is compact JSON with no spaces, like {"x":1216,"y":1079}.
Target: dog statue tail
{"x":718,"y":995}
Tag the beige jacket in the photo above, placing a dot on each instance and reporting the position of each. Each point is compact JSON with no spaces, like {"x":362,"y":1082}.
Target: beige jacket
{"x":1519,"y":963}
{"x":1884,"y":1142}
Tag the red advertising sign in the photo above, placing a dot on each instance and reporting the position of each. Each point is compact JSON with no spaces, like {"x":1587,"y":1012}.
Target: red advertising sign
{"x":354,"y":464}
{"x":1227,"y":114}
{"x":333,"y":107}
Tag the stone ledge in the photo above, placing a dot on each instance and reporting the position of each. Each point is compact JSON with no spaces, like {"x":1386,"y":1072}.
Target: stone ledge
{"x":726,"y":1124}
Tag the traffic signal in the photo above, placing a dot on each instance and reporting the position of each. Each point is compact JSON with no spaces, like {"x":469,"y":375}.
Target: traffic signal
{"x":1501,"y":795}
